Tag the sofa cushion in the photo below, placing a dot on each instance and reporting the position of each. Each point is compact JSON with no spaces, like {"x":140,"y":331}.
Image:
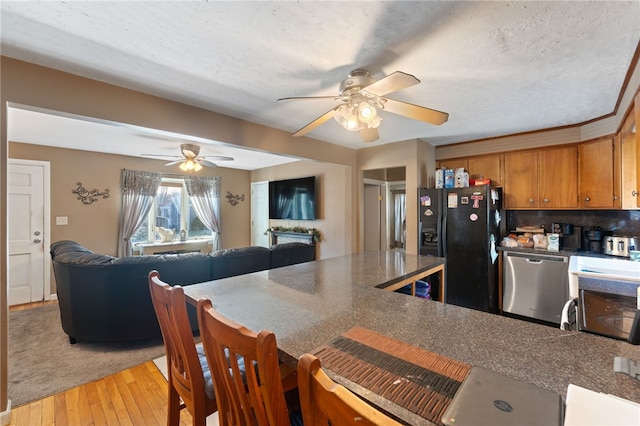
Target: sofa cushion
{"x":291,"y":253}
{"x":237,"y":261}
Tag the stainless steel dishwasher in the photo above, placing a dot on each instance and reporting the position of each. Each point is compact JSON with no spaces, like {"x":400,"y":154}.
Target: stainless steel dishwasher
{"x":535,"y":285}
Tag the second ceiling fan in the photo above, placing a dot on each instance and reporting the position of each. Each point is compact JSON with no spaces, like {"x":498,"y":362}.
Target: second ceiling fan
{"x":191,"y":158}
{"x":363,"y":97}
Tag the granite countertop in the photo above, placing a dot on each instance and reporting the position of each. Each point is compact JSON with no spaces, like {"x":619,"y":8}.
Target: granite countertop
{"x":310,"y":304}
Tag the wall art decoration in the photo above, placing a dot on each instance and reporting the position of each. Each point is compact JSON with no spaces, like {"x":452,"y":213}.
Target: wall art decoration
{"x":234,"y":199}
{"x":89,"y":196}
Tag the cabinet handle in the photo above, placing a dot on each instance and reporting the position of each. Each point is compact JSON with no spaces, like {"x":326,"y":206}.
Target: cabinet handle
{"x":587,"y":199}
{"x":634,"y":193}
{"x":615,"y":197}
{"x":531,"y":200}
{"x":546,"y":200}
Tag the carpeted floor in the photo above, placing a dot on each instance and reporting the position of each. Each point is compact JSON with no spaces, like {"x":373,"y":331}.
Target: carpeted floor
{"x":42,"y":362}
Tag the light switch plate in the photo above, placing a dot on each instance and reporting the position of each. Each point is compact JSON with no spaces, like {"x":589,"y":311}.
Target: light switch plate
{"x":62,"y":220}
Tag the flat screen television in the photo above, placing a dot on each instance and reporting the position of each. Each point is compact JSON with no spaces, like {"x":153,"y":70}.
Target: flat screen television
{"x":293,"y":199}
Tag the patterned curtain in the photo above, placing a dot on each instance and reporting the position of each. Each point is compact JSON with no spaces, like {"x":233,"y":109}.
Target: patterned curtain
{"x":204,"y":193}
{"x":138,"y":191}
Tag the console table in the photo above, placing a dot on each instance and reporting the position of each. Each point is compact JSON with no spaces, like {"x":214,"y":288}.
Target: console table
{"x":279,"y":237}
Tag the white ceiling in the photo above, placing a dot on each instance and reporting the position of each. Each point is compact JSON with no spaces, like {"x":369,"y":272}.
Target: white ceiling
{"x":497,"y":68}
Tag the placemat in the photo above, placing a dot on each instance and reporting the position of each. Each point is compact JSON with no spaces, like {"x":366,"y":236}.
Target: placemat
{"x":420,"y":381}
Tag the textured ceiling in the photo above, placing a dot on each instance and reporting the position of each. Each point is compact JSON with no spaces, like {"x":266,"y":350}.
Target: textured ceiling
{"x":496,"y":67}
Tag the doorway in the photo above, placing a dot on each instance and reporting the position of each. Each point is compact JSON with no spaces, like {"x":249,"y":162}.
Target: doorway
{"x":260,"y":214}
{"x":384,"y":209}
{"x":28,"y":206}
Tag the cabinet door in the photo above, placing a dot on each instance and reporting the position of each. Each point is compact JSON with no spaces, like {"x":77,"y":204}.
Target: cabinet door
{"x":456,"y":163}
{"x":521,"y":180}
{"x":558,"y":172}
{"x":487,"y":166}
{"x":637,"y":115}
{"x":596,"y":174}
{"x":628,"y":166}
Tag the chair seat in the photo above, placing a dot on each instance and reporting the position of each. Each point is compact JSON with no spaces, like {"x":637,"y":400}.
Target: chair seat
{"x":206,"y":372}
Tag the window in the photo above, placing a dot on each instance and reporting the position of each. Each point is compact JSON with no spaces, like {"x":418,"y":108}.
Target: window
{"x":171,"y":209}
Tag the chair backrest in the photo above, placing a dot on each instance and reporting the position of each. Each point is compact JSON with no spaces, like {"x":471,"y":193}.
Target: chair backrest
{"x":185,"y":371}
{"x":245,"y":396}
{"x":322,"y":400}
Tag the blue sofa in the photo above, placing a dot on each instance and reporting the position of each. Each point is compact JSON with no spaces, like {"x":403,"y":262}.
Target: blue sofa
{"x":103,"y":298}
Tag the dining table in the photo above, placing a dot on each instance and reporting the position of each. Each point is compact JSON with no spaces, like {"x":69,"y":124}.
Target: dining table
{"x":392,"y":349}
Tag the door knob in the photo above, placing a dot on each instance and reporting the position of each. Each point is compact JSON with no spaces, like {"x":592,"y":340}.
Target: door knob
{"x":36,"y":233}
{"x":634,"y":193}
{"x":37,"y":240}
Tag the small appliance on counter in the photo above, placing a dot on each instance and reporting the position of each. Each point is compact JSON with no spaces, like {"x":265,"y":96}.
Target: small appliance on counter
{"x":571,"y":237}
{"x":593,"y":240}
{"x":620,"y":246}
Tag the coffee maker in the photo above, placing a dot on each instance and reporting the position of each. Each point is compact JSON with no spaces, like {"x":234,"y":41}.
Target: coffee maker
{"x":593,"y":240}
{"x":571,"y":237}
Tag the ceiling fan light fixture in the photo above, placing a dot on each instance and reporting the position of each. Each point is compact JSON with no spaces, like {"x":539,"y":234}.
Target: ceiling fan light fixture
{"x":356,"y":115}
{"x":189,"y":164}
{"x":366,"y":112}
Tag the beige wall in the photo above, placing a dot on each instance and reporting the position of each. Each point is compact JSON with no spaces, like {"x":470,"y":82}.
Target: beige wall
{"x":417,"y":157}
{"x":335,"y":203}
{"x":96,"y":225}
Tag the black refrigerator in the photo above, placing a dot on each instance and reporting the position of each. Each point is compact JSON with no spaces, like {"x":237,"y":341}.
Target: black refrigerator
{"x":464,"y":226}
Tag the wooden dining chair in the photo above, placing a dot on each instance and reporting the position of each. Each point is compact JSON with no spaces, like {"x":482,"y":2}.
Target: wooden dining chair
{"x":189,"y":377}
{"x":249,"y":381}
{"x":324,"y":401}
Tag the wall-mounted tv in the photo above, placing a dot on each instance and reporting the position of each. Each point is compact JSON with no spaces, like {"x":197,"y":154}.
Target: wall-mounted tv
{"x":293,"y":199}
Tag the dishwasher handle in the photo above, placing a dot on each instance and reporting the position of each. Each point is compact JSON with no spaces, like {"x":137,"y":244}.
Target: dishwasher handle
{"x":536,"y":261}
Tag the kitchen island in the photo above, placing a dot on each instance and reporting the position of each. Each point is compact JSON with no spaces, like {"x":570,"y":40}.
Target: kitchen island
{"x":311,"y":304}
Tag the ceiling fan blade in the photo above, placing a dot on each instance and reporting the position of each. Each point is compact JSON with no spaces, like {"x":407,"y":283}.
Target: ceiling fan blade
{"x":175,"y":162}
{"x":391,"y":83}
{"x":309,"y":97}
{"x":369,"y":135}
{"x":318,"y":121}
{"x":217,"y":158}
{"x":416,"y":112}
{"x":206,"y":162}
{"x":159,"y":155}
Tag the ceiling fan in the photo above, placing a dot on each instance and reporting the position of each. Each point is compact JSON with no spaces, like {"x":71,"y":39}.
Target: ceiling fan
{"x":362,"y":97}
{"x":191,"y":158}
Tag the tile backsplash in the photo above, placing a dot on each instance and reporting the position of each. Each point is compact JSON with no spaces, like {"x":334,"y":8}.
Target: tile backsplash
{"x":618,"y":222}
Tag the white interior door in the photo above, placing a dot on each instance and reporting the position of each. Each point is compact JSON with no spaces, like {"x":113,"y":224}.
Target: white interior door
{"x":259,"y":213}
{"x":373,"y":203}
{"x":28,"y":271}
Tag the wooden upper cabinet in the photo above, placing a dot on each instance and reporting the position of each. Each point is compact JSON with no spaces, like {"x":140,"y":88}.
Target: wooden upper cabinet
{"x":487,"y":166}
{"x":626,"y":173}
{"x":546,"y":179}
{"x":637,"y":156}
{"x":558,"y":178}
{"x":455,"y":163}
{"x":520,"y":187}
{"x":596,"y":175}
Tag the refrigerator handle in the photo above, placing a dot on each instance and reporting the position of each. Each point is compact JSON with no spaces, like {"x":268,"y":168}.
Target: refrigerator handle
{"x":443,"y":233}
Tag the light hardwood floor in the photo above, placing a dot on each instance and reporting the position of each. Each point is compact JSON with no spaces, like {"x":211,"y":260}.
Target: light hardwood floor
{"x":136,"y":396}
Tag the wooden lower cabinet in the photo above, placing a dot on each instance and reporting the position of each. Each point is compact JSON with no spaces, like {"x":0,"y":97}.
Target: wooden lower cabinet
{"x":596,"y":175}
